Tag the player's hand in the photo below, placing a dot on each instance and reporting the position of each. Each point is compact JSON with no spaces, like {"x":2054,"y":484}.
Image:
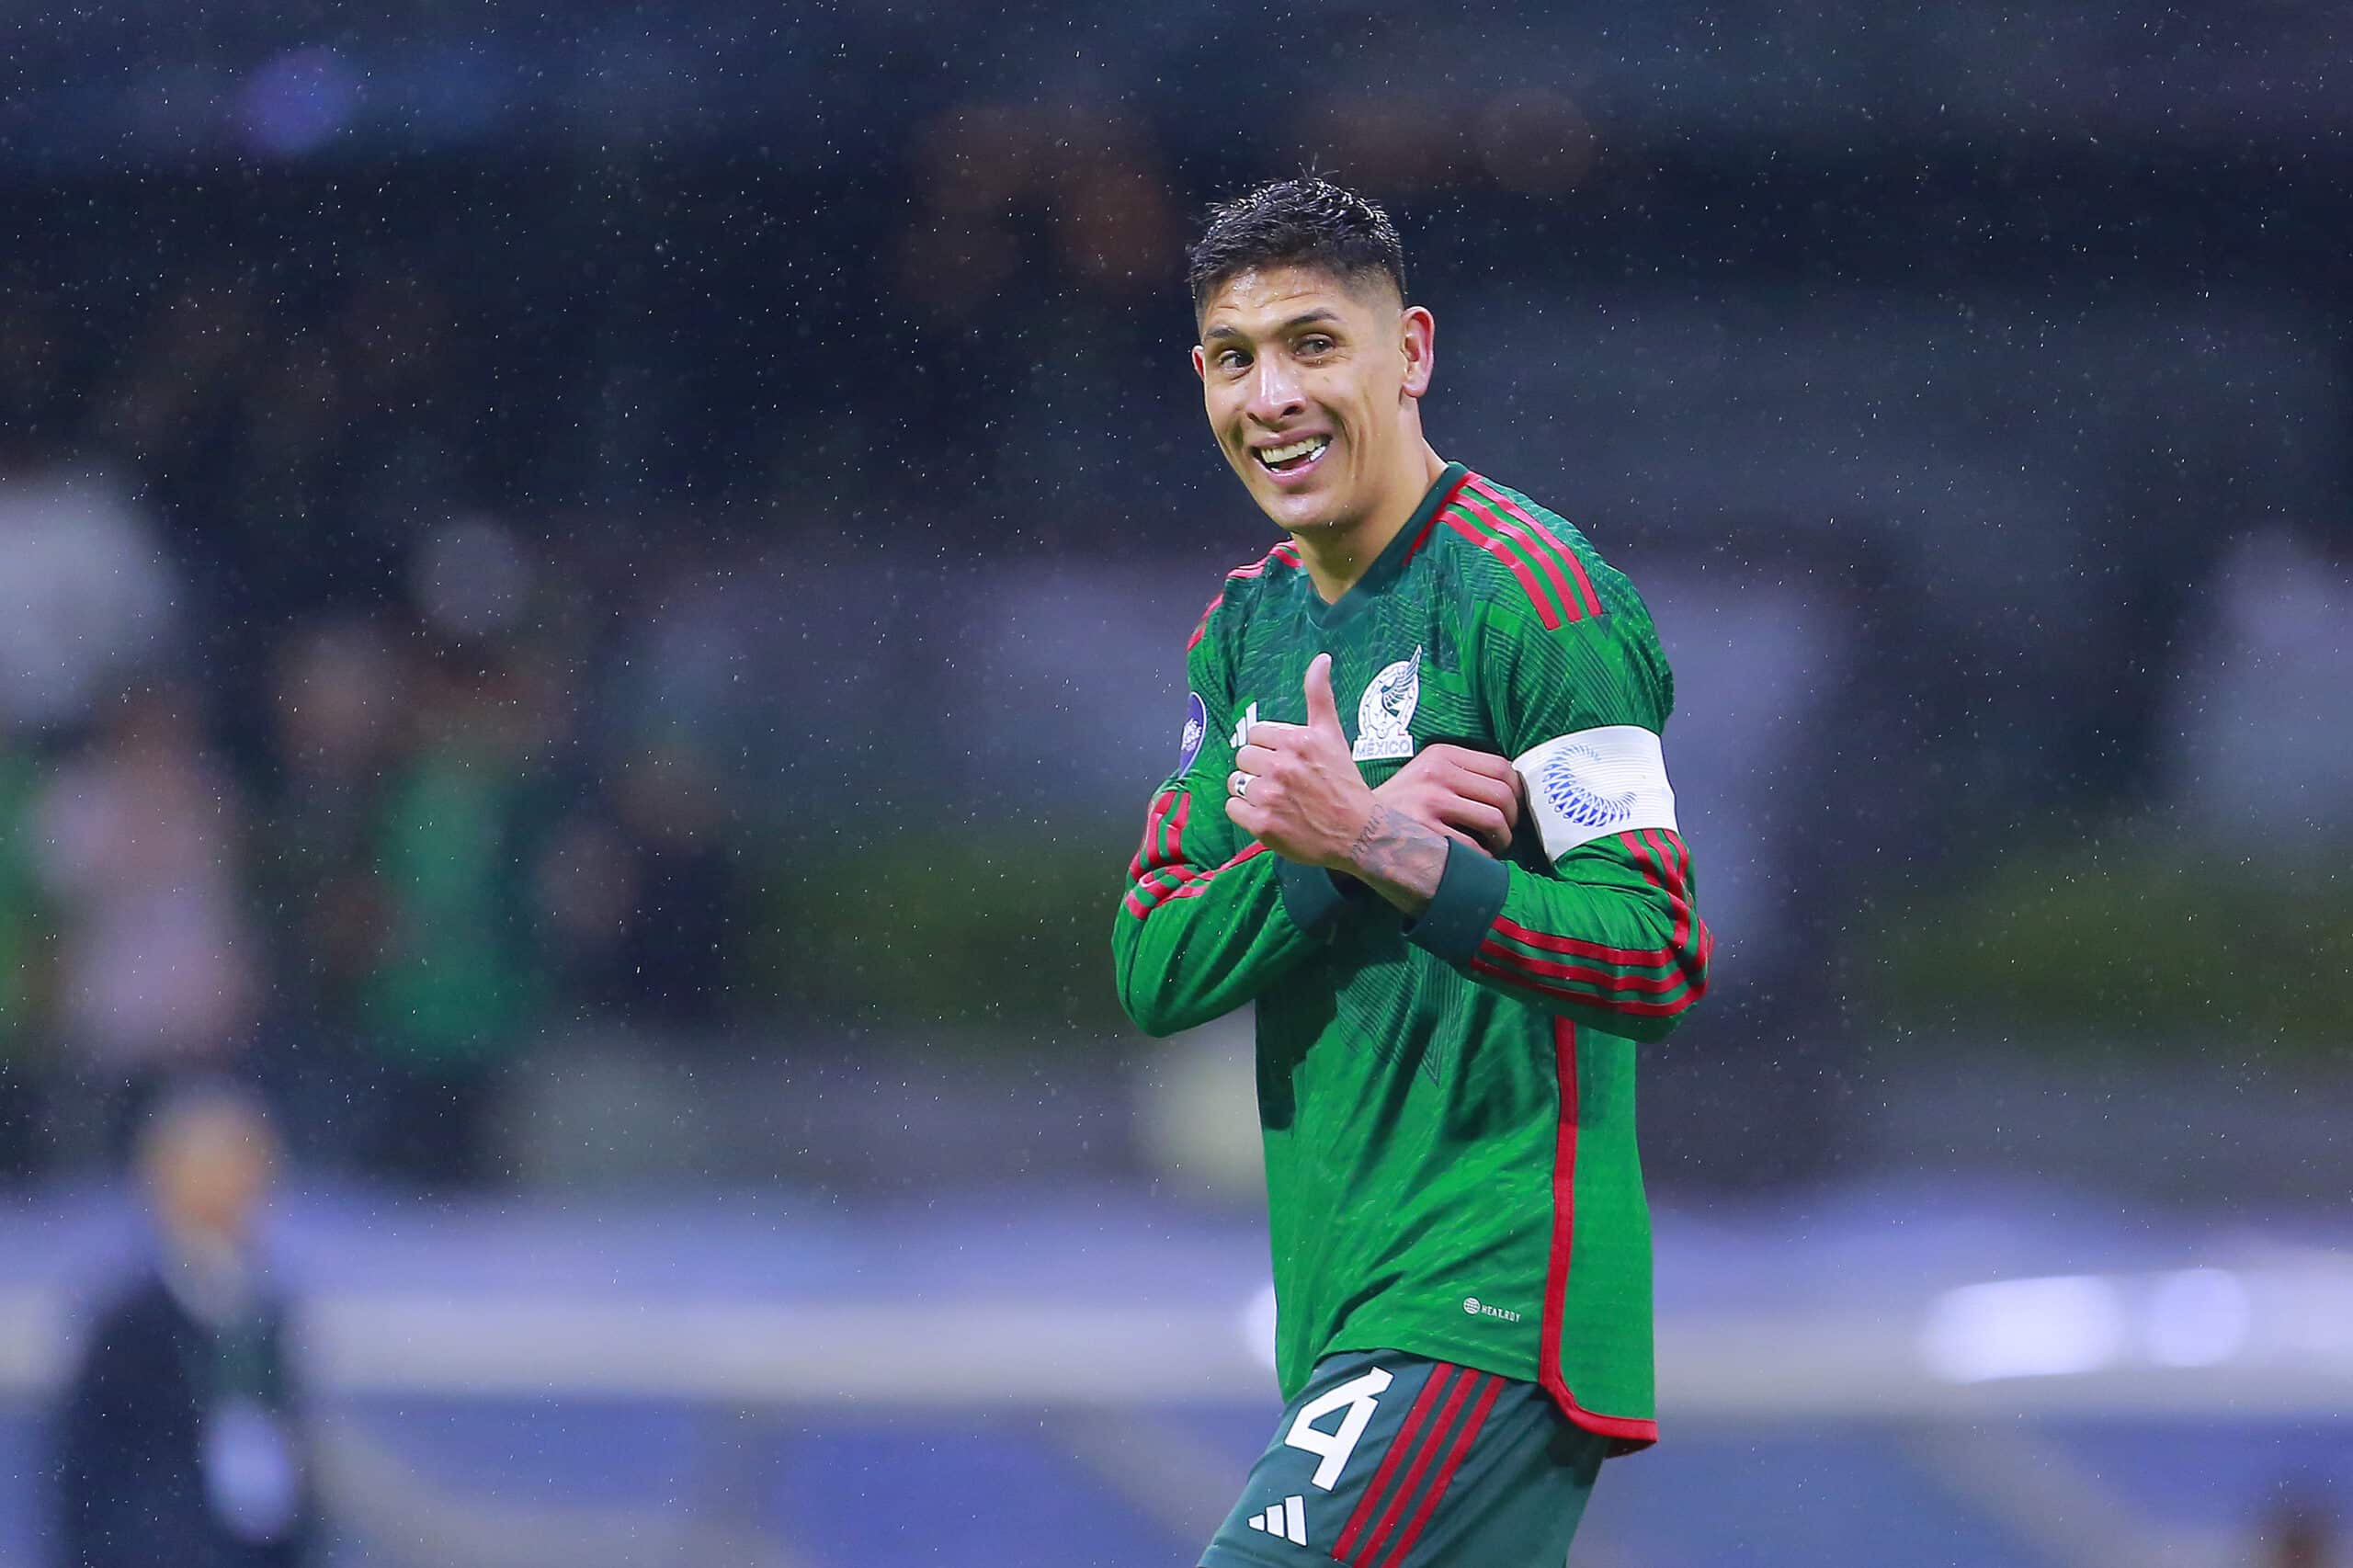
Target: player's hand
{"x":1295,"y":788}
{"x":1472,"y":797}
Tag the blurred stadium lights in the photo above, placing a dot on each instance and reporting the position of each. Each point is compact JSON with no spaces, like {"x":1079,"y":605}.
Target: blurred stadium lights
{"x":2025,"y":1328}
{"x":297,"y":102}
{"x":2198,"y":1317}
{"x":2186,"y":1320}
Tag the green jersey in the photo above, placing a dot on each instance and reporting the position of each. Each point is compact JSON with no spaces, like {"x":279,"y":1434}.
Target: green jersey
{"x":1447,"y":1101}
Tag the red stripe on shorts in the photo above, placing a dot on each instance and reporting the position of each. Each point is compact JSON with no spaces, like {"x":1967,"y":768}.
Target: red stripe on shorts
{"x":1424,"y":1451}
{"x":1445,"y":1473}
{"x":1432,"y":1386}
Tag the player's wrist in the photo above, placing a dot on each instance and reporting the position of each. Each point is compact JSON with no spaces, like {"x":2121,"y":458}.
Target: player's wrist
{"x":1470,"y":894}
{"x":1356,"y":833}
{"x":1398,"y":858}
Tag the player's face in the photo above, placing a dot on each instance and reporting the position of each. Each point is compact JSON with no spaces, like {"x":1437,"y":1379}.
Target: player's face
{"x":1311,"y":383}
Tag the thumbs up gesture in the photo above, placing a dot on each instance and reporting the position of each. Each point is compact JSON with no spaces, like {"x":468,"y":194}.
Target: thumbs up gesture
{"x":1295,"y":788}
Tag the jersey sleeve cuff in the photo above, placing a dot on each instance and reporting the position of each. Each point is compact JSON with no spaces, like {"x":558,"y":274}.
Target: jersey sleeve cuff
{"x":1311,"y":898}
{"x":1470,"y":895}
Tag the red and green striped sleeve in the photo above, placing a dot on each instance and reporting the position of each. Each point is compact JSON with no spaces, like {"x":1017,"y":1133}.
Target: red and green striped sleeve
{"x":1607,"y":931}
{"x":1209,"y":919}
{"x":1609,"y":938}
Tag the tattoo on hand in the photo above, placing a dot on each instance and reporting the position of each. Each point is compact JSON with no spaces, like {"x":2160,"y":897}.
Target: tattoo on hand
{"x":1398,"y":858}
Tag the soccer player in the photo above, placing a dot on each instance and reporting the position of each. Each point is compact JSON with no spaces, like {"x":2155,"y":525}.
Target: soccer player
{"x":1422,"y":820}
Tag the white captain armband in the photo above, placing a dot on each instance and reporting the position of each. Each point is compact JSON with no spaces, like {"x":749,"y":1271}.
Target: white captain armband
{"x":1595,"y":782}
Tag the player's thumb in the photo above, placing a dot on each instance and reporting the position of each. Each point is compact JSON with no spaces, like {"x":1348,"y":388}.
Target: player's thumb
{"x":1322,"y":713}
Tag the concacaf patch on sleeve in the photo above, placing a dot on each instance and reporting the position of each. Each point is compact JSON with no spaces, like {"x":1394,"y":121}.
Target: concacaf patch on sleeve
{"x":1197,"y":725}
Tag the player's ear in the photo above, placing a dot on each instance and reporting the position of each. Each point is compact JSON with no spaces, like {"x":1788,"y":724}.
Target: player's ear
{"x":1418,"y":331}
{"x":1201,"y":363}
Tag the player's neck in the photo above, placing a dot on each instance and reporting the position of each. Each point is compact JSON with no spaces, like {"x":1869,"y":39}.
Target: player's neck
{"x":1336,"y":557}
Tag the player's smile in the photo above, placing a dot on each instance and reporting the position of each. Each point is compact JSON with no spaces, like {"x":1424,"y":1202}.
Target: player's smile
{"x":1291,"y":460}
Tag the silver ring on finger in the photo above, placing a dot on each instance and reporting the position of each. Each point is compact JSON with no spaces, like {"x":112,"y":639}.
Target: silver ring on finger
{"x":1241,"y":785}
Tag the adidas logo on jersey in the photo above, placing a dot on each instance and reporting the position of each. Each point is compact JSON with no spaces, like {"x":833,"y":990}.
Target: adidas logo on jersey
{"x":1287,"y":1519}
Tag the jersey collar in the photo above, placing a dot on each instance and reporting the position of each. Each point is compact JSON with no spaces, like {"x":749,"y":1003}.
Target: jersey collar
{"x":1394,"y":555}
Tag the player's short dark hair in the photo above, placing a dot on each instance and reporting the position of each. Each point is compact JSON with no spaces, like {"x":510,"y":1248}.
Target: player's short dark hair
{"x":1295,"y":223}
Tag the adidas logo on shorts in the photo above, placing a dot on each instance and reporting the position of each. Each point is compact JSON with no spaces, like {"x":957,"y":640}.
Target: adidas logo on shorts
{"x":1287,"y":1519}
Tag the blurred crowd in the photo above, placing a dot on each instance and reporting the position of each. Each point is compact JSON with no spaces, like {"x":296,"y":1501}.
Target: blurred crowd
{"x":294,"y":781}
{"x":490,"y":599}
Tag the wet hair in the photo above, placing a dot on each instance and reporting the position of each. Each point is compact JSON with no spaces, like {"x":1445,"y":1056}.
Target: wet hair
{"x":1305,"y":221}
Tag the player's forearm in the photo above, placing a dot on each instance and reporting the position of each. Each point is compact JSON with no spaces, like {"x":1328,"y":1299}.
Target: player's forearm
{"x":1196,"y":951}
{"x":1615,"y":937}
{"x":1398,"y":858}
{"x":1611,"y":939}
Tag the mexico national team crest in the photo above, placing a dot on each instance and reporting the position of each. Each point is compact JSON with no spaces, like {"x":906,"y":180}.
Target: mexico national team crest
{"x":1385,"y":715}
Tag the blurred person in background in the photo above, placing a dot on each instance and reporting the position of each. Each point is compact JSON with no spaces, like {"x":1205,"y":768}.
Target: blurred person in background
{"x":453,"y":990}
{"x":85,"y":600}
{"x":339,"y":693}
{"x":181,"y":1436}
{"x":142,"y":856}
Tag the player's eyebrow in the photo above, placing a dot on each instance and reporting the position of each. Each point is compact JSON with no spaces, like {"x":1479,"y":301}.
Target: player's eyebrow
{"x":1315,"y":317}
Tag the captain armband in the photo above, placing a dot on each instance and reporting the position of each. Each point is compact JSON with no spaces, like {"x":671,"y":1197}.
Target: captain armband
{"x":1591,"y":783}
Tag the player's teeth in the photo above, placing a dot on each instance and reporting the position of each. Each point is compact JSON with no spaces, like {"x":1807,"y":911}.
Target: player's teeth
{"x":1273,"y":455}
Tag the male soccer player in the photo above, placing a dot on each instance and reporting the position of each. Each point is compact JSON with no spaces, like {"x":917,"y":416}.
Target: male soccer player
{"x":1422,"y":820}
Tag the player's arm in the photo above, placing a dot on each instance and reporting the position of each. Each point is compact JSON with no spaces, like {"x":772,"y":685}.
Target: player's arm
{"x":1209,"y":919}
{"x":1605,"y":930}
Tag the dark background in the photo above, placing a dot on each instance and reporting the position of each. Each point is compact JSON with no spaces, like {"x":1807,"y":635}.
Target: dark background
{"x":593,"y":597}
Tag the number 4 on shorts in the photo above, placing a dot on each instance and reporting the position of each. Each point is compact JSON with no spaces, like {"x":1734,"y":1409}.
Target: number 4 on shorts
{"x":1358,"y":1395}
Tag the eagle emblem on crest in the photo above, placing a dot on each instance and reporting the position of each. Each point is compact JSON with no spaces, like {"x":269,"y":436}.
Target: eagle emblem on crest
{"x":1385,"y":713}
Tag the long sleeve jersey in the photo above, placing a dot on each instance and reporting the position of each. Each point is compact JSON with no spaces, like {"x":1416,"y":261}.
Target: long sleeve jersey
{"x":1446,"y":1101}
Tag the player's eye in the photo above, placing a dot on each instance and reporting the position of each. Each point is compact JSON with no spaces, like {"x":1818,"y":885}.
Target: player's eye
{"x":1231,"y":359}
{"x":1315,"y":344}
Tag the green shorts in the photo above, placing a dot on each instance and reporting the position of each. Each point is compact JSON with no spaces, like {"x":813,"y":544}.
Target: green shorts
{"x":1389,"y":1461}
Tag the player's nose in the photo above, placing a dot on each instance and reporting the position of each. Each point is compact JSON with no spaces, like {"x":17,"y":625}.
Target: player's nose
{"x":1275,"y":395}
